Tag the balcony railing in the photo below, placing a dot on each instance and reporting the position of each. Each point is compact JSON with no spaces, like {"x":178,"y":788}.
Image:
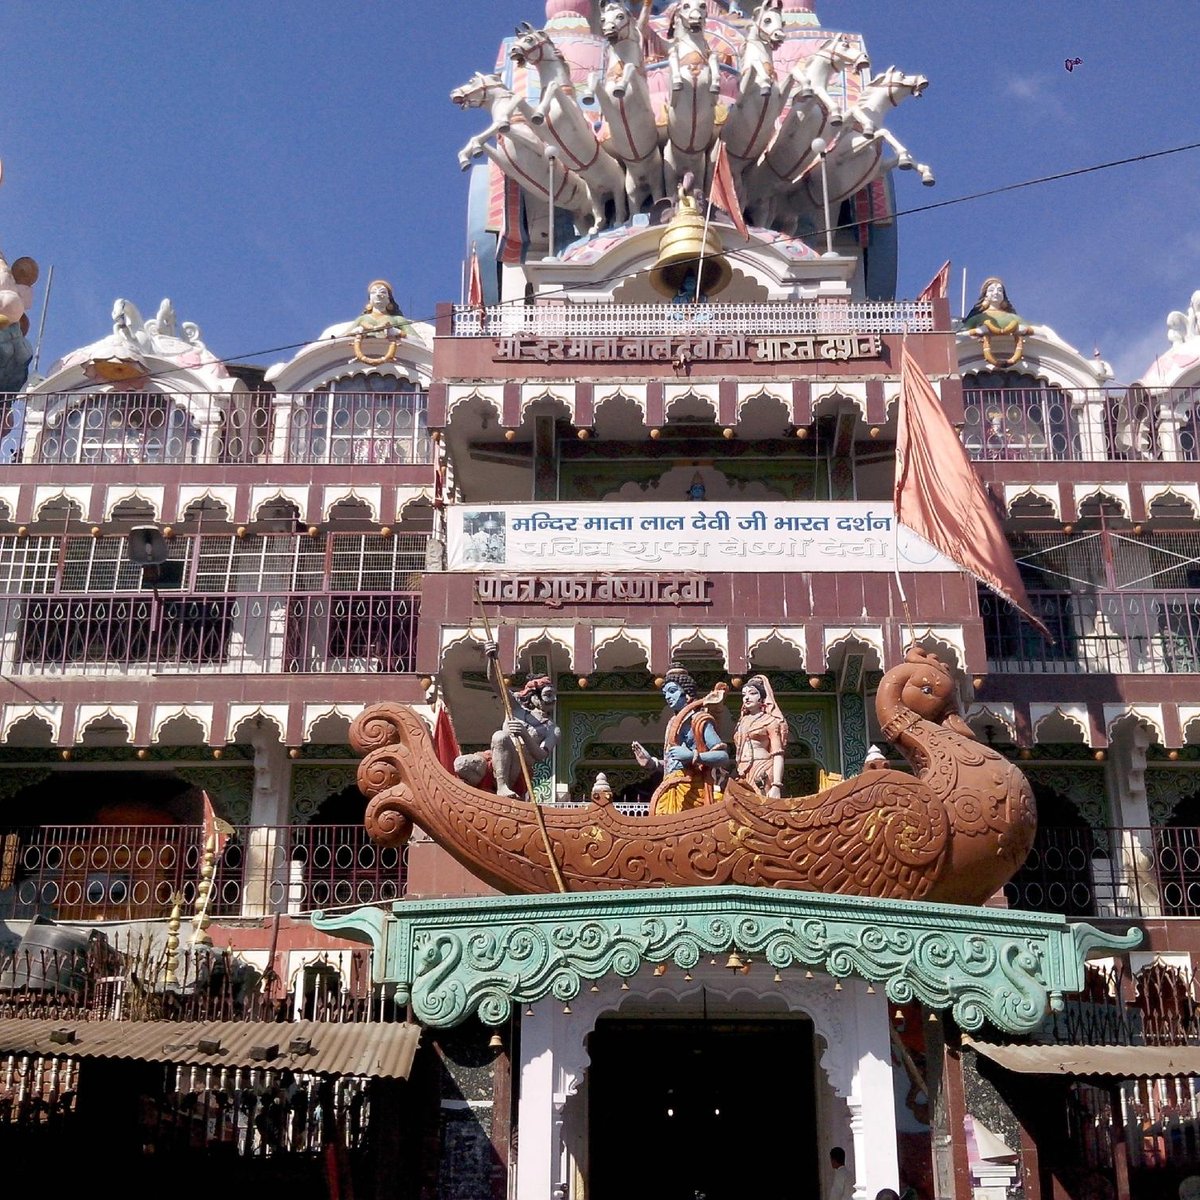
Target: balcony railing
{"x":147,"y":428}
{"x":657,"y":320}
{"x":1109,"y":872}
{"x":129,"y":872}
{"x":1082,"y":425}
{"x":251,"y":634}
{"x":1097,"y":633}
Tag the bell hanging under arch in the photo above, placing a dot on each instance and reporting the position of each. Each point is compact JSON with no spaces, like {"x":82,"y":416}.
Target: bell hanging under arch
{"x":685,"y":248}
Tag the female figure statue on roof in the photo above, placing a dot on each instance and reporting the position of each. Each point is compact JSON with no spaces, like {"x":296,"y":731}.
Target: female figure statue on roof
{"x":992,"y":314}
{"x":760,"y":738}
{"x":381,"y":318}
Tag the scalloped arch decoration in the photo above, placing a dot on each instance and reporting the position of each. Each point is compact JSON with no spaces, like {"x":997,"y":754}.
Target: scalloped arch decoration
{"x":1174,"y":495}
{"x":1047,"y":494}
{"x":547,"y":402}
{"x":775,"y":647}
{"x":242,"y":716}
{"x":320,"y":723}
{"x":152,"y":498}
{"x":1120,"y":717}
{"x":712,"y":639}
{"x":836,"y":396}
{"x":621,"y":649}
{"x":93,"y":728}
{"x":367,"y":497}
{"x":1116,"y":492}
{"x":868,"y":638}
{"x":1056,"y":723}
{"x":558,"y":642}
{"x":979,"y":716}
{"x":22,"y":727}
{"x":488,"y":402}
{"x":186,"y":726}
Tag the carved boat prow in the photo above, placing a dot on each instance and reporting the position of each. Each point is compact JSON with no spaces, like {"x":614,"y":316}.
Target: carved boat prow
{"x":954,"y":831}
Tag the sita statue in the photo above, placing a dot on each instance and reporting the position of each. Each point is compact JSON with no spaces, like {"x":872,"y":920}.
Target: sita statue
{"x":381,"y":318}
{"x":760,"y":738}
{"x":993,"y":314}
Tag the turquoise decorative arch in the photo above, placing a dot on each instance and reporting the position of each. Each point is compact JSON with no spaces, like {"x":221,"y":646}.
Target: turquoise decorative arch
{"x":455,"y":958}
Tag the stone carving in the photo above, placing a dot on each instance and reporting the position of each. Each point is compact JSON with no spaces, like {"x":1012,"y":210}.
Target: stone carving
{"x":452,"y":959}
{"x":695,"y":82}
{"x":380,"y":320}
{"x":532,"y":721}
{"x":992,"y":314}
{"x":760,"y":738}
{"x":624,"y":99}
{"x":562,"y":124}
{"x":518,"y":151}
{"x":955,"y":831}
{"x":659,"y":89}
{"x":751,"y":120}
{"x":694,"y":757}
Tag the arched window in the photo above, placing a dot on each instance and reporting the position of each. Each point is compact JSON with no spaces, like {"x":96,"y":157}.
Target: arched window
{"x":362,"y":419}
{"x":120,"y":427}
{"x":1009,"y":416}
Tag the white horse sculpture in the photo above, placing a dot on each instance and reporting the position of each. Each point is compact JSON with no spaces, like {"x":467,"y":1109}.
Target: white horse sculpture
{"x":519,"y":152}
{"x":751,"y":121}
{"x":624,"y":99}
{"x":562,"y":123}
{"x":856,"y":157}
{"x":813,"y":113}
{"x":695,"y":82}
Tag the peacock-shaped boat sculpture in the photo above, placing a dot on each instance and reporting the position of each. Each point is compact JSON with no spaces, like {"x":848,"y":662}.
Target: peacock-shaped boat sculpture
{"x":955,"y":831}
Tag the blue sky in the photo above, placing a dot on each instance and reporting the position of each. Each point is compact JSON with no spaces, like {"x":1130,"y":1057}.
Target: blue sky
{"x":260,"y":162}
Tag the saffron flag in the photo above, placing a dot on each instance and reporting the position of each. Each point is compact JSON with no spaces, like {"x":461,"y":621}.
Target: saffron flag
{"x":940,"y":497}
{"x":475,"y":286}
{"x":938,"y":286}
{"x":724,"y":193}
{"x":216,"y":831}
{"x":445,"y":740}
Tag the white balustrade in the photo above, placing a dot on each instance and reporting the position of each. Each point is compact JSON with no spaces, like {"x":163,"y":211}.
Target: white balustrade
{"x":784,"y":318}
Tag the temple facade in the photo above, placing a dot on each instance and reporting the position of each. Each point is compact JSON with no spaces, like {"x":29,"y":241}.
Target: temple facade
{"x":656,"y":440}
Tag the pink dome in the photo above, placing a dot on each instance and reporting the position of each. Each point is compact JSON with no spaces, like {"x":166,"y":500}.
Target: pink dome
{"x":567,"y":11}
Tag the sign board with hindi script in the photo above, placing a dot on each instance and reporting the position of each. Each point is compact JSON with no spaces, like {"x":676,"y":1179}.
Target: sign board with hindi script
{"x":685,"y":537}
{"x":691,"y":346}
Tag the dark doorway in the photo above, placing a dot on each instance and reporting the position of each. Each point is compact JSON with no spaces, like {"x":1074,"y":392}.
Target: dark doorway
{"x":721,"y":1108}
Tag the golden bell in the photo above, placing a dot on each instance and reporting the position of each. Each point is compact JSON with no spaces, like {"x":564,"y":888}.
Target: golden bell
{"x":495,"y":1042}
{"x":734,"y":962}
{"x":684,"y":245}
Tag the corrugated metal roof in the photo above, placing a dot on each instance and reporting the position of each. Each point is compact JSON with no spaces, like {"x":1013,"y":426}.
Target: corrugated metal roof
{"x":379,"y":1049}
{"x":1120,"y":1062}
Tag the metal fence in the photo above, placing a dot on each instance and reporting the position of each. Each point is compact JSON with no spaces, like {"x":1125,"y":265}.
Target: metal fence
{"x":136,"y":428}
{"x":1097,"y":633}
{"x":127,"y":872}
{"x":1108,"y":872}
{"x":1050,"y":424}
{"x":249,"y":634}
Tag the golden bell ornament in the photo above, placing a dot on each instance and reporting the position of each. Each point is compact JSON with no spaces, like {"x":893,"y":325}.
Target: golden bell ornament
{"x":684,"y":249}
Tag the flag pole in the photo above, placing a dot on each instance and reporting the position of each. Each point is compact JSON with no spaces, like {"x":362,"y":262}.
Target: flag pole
{"x":704,"y":235}
{"x":912,"y":632}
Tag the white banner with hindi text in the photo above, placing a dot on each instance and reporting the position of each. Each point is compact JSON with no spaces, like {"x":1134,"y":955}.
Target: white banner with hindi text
{"x":685,"y":536}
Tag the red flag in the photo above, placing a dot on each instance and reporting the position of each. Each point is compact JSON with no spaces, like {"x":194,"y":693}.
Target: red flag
{"x":445,"y":740}
{"x":215,"y":828}
{"x":724,"y":193}
{"x":475,"y":287}
{"x":940,"y":497}
{"x":938,"y":286}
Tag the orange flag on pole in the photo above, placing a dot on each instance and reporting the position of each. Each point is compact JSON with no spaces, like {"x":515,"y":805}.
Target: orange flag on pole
{"x":724,"y":192}
{"x":938,"y":286}
{"x":475,"y":286}
{"x":445,"y":740}
{"x":941,"y":498}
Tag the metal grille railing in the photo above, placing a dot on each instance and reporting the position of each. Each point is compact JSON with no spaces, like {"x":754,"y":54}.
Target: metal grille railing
{"x":128,"y":872}
{"x":1008,"y":424}
{"x":1097,"y":633}
{"x":135,"y":428}
{"x":1109,"y":872}
{"x":251,"y":634}
{"x":656,"y":320}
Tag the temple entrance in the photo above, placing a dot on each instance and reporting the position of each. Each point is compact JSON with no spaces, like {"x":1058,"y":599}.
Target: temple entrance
{"x":722,"y":1108}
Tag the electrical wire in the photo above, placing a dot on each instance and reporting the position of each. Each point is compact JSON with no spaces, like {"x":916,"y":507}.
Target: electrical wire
{"x":736,"y":255}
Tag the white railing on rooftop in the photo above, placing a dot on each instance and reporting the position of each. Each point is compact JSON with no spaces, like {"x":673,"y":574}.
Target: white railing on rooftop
{"x":784,"y":318}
